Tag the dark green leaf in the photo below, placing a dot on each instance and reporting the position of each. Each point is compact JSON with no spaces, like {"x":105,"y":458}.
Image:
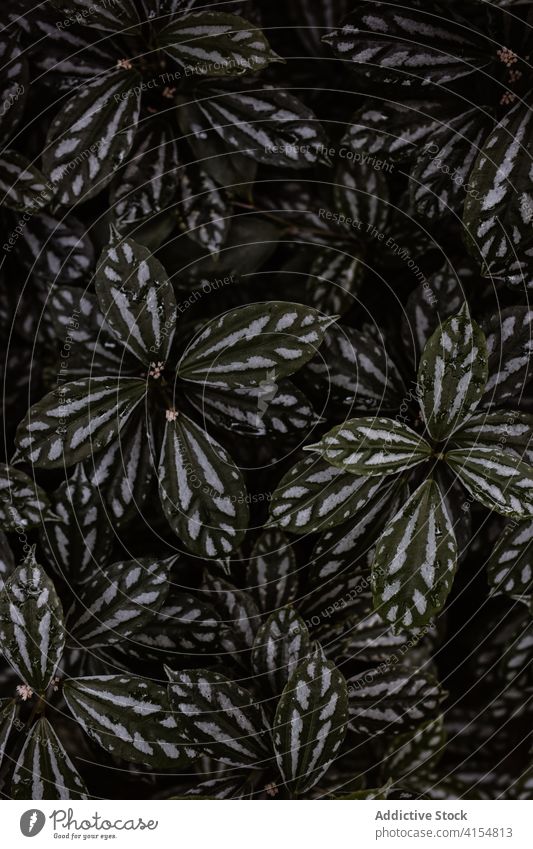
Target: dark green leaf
{"x":44,"y":770}
{"x":203,"y":209}
{"x":510,"y":566}
{"x":280,"y":645}
{"x":22,"y":187}
{"x":390,"y":700}
{"x":23,"y":504}
{"x":496,"y":478}
{"x":272,"y":573}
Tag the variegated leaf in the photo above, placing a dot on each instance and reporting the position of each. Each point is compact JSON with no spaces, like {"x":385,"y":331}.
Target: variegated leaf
{"x":118,"y":602}
{"x":219,"y":717}
{"x":202,"y":491}
{"x":14,"y":79}
{"x":137,"y":300}
{"x":415,"y":753}
{"x":310,"y":723}
{"x":215,"y":44}
{"x":452,"y":374}
{"x":148,"y":182}
{"x":415,"y":561}
{"x":60,"y":247}
{"x":356,"y":370}
{"x":496,"y":478}
{"x":362,"y":194}
{"x":8,"y":710}
{"x":7,"y":559}
{"x":439,"y":182}
{"x":510,"y":566}
{"x":499,"y":208}
{"x":517,"y":655}
{"x":254,"y":345}
{"x":272,"y":410}
{"x":91,"y":136}
{"x":395,"y":130}
{"x":438,"y":297}
{"x":44,"y":770}
{"x":504,"y":429}
{"x":238,"y":613}
{"x":204,"y":211}
{"x":396,"y":699}
{"x":280,"y":645}
{"x":23,"y":503}
{"x":272,"y":572}
{"x":89,"y":341}
{"x":372,"y":446}
{"x":314,"y":496}
{"x":78,"y":419}
{"x":32,"y":634}
{"x":370,"y":640}
{"x":334,"y":281}
{"x":131,"y":718}
{"x":124,"y":472}
{"x":339,"y":549}
{"x":22,"y":186}
{"x":116,"y":17}
{"x":268,"y":125}
{"x":510,"y":347}
{"x":406,"y":46}
{"x":81,"y":541}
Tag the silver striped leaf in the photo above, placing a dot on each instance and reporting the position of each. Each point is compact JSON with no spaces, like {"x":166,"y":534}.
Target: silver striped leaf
{"x":44,"y":769}
{"x":124,"y":472}
{"x":268,"y":125}
{"x":392,"y":700}
{"x":215,"y":44}
{"x":510,"y":566}
{"x":439,"y":181}
{"x":225,"y":787}
{"x":23,"y":503}
{"x":64,"y":59}
{"x":119,"y":18}
{"x":510,"y":347}
{"x":131,"y":718}
{"x":81,"y":541}
{"x":515,"y":664}
{"x":184,"y":625}
{"x":14,"y":79}
{"x":438,"y":297}
{"x":22,"y":186}
{"x":416,"y":753}
{"x":356,"y":370}
{"x":314,"y":496}
{"x":247,"y":411}
{"x":254,"y":345}
{"x":396,"y":130}
{"x":280,"y":645}
{"x":361,"y":193}
{"x":219,"y":718}
{"x":147,"y":184}
{"x":368,"y":640}
{"x":56,"y":248}
{"x":203,"y":209}
{"x":503,"y":429}
{"x":334,"y":281}
{"x":496,"y":478}
{"x":7,"y":559}
{"x":372,"y":446}
{"x":80,"y":418}
{"x":499,"y":208}
{"x":272,"y":571}
{"x":136,"y":299}
{"x":32,"y":633}
{"x":86,"y":337}
{"x":415,"y":561}
{"x":452,"y":374}
{"x":202,"y":491}
{"x":310,"y":723}
{"x":91,"y":136}
{"x":406,"y":46}
{"x":118,"y":602}
{"x":8,"y":711}
{"x":238,"y":615}
{"x":339,"y":549}
{"x":334,"y":602}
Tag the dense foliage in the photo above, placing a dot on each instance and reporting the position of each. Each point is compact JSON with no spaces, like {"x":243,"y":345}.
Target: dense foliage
{"x":266,"y":498}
